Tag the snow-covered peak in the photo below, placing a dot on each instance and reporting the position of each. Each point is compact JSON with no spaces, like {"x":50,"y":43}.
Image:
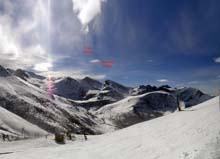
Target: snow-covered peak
{"x":135,"y":109}
{"x":34,"y":75}
{"x":69,"y":88}
{"x":90,"y":84}
{"x":116,"y":86}
{"x":191,"y":96}
{"x":21,"y":74}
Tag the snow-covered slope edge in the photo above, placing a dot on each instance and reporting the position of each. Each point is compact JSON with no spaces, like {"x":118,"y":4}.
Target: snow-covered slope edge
{"x":181,"y":135}
{"x":14,"y":125}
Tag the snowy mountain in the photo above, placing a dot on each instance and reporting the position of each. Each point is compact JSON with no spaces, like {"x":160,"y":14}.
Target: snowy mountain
{"x":75,"y":89}
{"x":86,"y":103}
{"x":110,"y":91}
{"x":34,"y":105}
{"x":69,"y":88}
{"x":191,"y":134}
{"x":123,"y":90}
{"x":191,"y":96}
{"x":30,"y":77}
{"x":135,"y":109}
{"x":90,"y":84}
{"x":21,"y":73}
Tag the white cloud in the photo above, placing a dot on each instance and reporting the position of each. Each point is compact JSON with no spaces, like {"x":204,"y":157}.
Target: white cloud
{"x":95,"y":61}
{"x":193,"y":82}
{"x":98,"y":77}
{"x":150,"y":61}
{"x":87,"y":10}
{"x":162,"y":80}
{"x":8,"y":46}
{"x":43,"y":67}
{"x":76,"y":74}
{"x":22,"y":44}
{"x":217,"y":60}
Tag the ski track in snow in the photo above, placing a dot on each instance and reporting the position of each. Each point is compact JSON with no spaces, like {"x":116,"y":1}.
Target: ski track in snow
{"x":181,"y":135}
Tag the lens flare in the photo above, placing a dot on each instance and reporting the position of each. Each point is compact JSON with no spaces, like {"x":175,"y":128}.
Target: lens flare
{"x":50,"y":80}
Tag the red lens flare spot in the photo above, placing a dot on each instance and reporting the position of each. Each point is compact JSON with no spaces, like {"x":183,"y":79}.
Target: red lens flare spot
{"x":87,"y":50}
{"x":107,"y":63}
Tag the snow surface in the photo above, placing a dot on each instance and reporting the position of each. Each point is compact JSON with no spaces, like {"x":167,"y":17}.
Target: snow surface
{"x":14,"y":125}
{"x":189,"y":134}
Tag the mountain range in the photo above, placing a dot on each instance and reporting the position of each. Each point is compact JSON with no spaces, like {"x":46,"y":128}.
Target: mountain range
{"x":82,"y":104}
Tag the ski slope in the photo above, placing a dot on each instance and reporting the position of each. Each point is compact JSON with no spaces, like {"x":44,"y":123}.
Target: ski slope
{"x":190,"y":134}
{"x":12,"y":125}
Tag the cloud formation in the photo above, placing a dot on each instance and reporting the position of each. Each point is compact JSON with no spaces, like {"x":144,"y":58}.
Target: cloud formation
{"x":95,"y":61}
{"x":43,"y":67}
{"x":217,"y":60}
{"x":87,"y":10}
{"x":162,"y":80}
{"x":21,"y":40}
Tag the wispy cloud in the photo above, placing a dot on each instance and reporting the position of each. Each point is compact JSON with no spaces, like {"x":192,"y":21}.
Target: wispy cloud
{"x":163,"y":80}
{"x":77,"y":74}
{"x":193,"y":82}
{"x":217,"y":60}
{"x":95,"y":61}
{"x":43,"y":67}
{"x":21,"y":43}
{"x":87,"y":10}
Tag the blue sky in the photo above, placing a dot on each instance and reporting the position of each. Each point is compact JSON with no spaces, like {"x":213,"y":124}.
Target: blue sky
{"x":151,"y":41}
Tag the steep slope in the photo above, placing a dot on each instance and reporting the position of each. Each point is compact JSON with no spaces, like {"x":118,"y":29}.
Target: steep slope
{"x":21,"y":73}
{"x":13,"y":125}
{"x":75,"y":89}
{"x":69,"y":88}
{"x":135,"y":109}
{"x":34,"y":105}
{"x":111,"y":92}
{"x":193,"y":134}
{"x":30,"y":77}
{"x":90,"y":84}
{"x":3,"y":72}
{"x":117,"y":87}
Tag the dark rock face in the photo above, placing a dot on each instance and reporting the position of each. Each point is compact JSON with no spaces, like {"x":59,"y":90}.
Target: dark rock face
{"x":69,"y":88}
{"x":116,"y":86}
{"x":148,"y":88}
{"x":112,"y":91}
{"x":21,"y":74}
{"x":3,"y":72}
{"x":191,"y":96}
{"x":140,"y":108}
{"x":94,"y":105}
{"x":74,"y":89}
{"x":90,"y":84}
{"x":143,"y":89}
{"x":33,"y":75}
{"x":110,"y":94}
{"x":148,"y":107}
